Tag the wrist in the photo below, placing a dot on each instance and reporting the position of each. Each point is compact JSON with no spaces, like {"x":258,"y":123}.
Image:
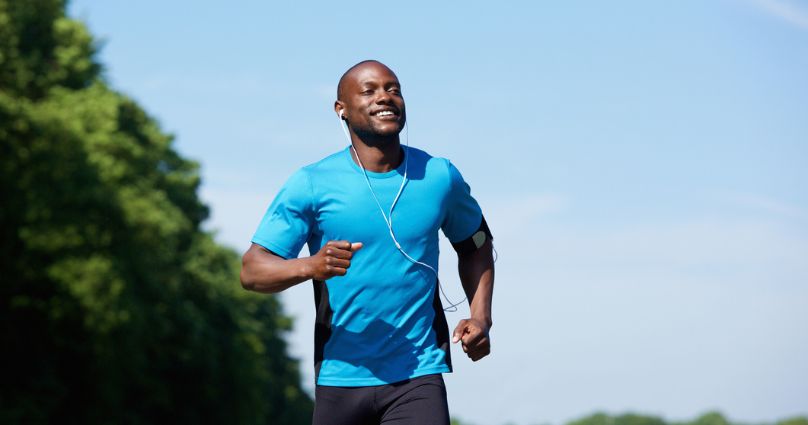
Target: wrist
{"x":484,"y":320}
{"x":306,"y":269}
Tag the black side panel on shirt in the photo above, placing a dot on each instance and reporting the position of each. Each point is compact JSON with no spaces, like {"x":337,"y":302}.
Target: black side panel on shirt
{"x":467,"y":245}
{"x":322,"y":324}
{"x":441,"y":328}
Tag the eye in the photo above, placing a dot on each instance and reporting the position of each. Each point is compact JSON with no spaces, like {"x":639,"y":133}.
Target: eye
{"x":394,"y":90}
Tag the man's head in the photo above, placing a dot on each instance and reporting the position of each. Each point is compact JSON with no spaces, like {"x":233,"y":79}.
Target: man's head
{"x":369,"y":99}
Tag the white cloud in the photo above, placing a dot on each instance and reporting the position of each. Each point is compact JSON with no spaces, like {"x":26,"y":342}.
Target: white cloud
{"x":789,"y":11}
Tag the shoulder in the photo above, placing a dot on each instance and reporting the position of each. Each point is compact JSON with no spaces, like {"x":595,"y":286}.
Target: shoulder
{"x":335,"y":160}
{"x":316,"y":171}
{"x":435,"y":167}
{"x":444,"y":170}
{"x":421,"y":156}
{"x":302,"y":179}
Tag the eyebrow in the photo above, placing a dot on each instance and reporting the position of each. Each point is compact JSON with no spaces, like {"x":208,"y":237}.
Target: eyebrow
{"x":385,"y":84}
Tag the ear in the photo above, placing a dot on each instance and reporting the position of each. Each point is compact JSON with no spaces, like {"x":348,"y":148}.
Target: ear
{"x":339,"y":108}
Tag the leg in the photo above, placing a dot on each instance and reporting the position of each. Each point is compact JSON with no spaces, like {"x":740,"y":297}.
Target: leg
{"x":343,"y":406}
{"x":419,"y":401}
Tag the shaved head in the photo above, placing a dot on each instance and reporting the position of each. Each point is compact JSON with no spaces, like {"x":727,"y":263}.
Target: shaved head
{"x":354,"y":69}
{"x":369,"y":100}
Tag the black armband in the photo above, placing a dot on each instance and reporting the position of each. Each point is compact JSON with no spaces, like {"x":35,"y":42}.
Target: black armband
{"x":475,"y":241}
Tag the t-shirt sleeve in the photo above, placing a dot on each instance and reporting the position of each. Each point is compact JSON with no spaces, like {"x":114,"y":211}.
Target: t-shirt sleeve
{"x":287,"y":224}
{"x":463,"y":214}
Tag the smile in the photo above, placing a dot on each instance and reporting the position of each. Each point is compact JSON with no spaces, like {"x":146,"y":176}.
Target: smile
{"x":384,"y":113}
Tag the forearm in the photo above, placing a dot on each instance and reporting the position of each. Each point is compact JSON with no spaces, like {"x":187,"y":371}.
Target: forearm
{"x":271,"y":274}
{"x":477,"y":276}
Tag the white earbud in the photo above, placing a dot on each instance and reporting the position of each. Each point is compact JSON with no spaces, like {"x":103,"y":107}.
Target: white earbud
{"x":342,"y":113}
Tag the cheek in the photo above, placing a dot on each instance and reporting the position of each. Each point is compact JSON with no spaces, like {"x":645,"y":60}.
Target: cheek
{"x":358,"y":112}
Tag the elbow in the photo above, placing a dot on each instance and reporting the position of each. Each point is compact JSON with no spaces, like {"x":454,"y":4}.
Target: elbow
{"x":253,"y":276}
{"x":247,"y":279}
{"x":246,"y":283}
{"x":261,"y":272}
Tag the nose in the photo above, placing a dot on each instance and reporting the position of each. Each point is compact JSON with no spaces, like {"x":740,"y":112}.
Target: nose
{"x":384,"y":97}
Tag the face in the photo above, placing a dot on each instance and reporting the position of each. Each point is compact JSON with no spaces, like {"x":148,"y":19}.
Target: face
{"x":372,"y":101}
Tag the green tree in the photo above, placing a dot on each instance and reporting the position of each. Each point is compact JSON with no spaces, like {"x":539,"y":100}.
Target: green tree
{"x":115,"y":307}
{"x":798,"y":420}
{"x":710,"y":418}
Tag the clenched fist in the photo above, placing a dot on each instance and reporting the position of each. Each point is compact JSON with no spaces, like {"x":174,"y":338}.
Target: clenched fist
{"x":333,"y":259}
{"x":473,"y":335}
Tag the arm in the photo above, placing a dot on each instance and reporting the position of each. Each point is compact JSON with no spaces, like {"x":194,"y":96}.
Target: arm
{"x":263,"y":271}
{"x":476,"y":270}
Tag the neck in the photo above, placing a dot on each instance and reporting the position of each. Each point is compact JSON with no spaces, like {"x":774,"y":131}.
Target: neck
{"x":379,"y":156}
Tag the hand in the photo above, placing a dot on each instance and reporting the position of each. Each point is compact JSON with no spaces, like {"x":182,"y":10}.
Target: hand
{"x":333,"y":259}
{"x":474,"y":336}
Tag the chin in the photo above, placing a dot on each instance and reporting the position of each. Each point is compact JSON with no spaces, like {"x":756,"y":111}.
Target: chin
{"x":379,"y":134}
{"x":388,"y":130}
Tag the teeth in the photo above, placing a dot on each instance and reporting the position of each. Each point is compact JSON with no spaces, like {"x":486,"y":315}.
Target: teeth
{"x":384,"y":113}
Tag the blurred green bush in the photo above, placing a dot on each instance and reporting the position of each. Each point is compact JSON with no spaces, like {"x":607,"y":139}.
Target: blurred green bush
{"x":115,"y":306}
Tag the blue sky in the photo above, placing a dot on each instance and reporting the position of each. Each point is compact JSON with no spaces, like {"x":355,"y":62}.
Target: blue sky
{"x":643,"y":166}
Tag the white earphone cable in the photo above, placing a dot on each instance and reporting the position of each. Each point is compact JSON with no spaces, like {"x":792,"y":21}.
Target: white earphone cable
{"x":388,"y":218}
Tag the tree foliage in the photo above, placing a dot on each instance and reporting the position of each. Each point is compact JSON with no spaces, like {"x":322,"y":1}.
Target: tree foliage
{"x":115,"y":307}
{"x":708,"y":418}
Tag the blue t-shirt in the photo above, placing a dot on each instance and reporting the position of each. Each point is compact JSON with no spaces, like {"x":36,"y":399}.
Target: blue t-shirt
{"x":382,"y":322}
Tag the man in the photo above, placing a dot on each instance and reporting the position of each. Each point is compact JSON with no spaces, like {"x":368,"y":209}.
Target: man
{"x":371,"y":214}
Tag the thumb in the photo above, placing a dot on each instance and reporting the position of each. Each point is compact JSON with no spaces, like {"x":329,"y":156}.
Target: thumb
{"x":356,"y":246}
{"x":459,"y":331}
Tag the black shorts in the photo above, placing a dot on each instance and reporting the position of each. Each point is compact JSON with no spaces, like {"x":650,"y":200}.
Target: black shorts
{"x":420,"y":400}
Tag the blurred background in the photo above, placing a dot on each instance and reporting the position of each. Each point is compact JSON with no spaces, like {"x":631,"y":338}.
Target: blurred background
{"x":643,"y":167}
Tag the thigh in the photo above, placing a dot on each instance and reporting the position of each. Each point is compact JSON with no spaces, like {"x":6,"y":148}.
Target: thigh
{"x":420,"y":401}
{"x":343,"y":406}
